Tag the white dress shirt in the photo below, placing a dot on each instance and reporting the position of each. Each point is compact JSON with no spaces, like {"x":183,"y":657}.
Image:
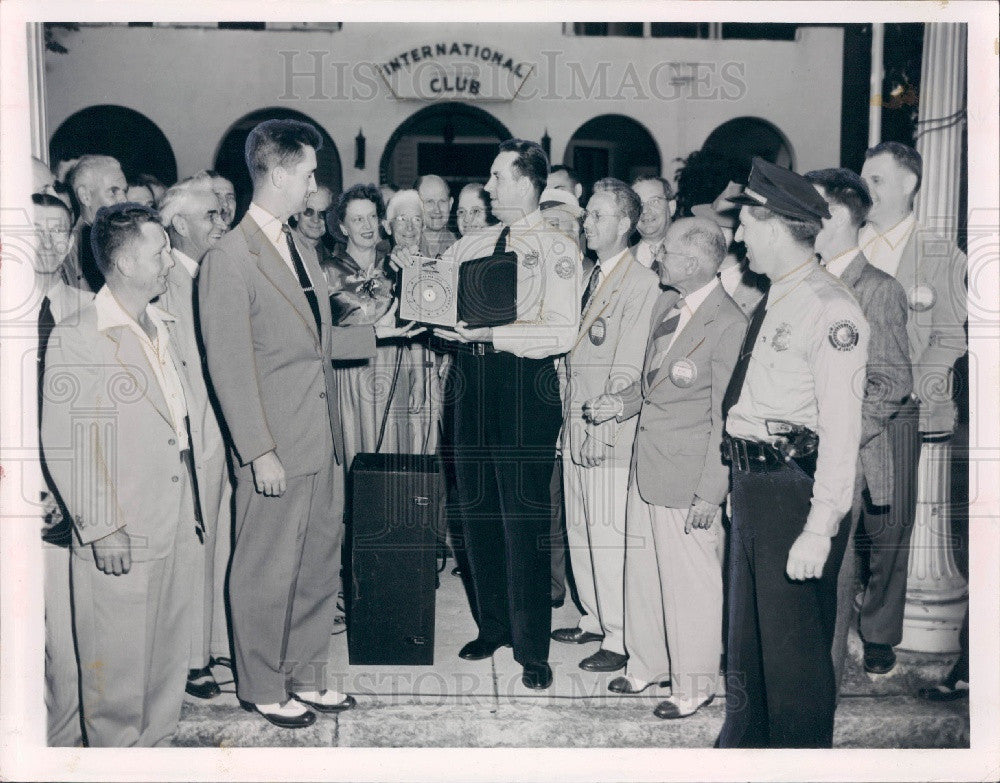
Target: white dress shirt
{"x":111,"y":314}
{"x":885,"y":250}
{"x":271,"y":227}
{"x":644,"y":253}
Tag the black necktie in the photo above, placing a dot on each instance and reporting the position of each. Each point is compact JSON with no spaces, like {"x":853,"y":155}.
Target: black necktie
{"x":735,"y":387}
{"x":300,"y":272}
{"x":592,"y":284}
{"x":46,"y":323}
{"x":501,"y":246}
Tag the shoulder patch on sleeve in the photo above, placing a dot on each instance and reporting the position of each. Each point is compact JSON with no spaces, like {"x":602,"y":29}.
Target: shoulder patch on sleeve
{"x":843,"y":335}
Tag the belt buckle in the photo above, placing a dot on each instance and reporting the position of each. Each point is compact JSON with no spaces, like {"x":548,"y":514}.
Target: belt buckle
{"x":478,"y":349}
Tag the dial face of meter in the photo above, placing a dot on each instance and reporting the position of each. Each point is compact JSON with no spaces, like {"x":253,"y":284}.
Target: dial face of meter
{"x":431,"y":296}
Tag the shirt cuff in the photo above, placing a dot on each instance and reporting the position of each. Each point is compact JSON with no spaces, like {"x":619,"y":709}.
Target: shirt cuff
{"x":823,"y":520}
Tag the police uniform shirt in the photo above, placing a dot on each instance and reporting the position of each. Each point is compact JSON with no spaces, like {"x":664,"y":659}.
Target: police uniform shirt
{"x":808,"y":369}
{"x":549,"y":272}
{"x":884,"y":251}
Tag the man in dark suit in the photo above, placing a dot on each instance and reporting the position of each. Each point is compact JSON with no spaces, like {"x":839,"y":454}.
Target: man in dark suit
{"x":269,"y":341}
{"x":931,"y":270}
{"x":675,"y":541}
{"x":888,"y":383}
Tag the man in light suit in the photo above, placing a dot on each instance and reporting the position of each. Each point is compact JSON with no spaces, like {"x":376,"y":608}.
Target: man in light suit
{"x":269,"y":342}
{"x":658,"y":205}
{"x":114,"y":429}
{"x":192,"y":215}
{"x":675,"y":543}
{"x":605,"y":358}
{"x":932,"y":272}
{"x":888,"y":384}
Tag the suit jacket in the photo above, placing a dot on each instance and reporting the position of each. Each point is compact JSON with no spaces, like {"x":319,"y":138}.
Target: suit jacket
{"x":932,"y":272}
{"x":607,"y":355}
{"x":110,"y":443}
{"x":270,"y":368}
{"x":207,"y":445}
{"x":888,"y":380}
{"x":678,"y":441}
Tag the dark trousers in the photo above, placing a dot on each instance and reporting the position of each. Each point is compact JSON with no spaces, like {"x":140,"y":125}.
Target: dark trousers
{"x":779,"y":681}
{"x":506,"y":420}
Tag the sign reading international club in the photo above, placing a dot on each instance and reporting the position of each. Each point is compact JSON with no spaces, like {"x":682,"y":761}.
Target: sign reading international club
{"x":446,"y":71}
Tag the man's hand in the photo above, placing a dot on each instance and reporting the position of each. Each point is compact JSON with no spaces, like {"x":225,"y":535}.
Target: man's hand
{"x":602,"y":408}
{"x":482,"y":334}
{"x":269,"y":475}
{"x":593,"y":452}
{"x":402,"y":257}
{"x":113,"y":553}
{"x":807,"y":556}
{"x":701,"y":515}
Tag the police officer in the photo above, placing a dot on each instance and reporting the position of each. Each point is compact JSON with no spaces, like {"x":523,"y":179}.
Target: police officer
{"x":507,"y":413}
{"x":792,"y":434}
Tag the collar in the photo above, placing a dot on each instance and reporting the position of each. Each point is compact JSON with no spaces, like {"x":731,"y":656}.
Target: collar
{"x":269,"y":224}
{"x":526,"y":223}
{"x":188,"y":263}
{"x":896,"y":235}
{"x":693,"y":300}
{"x":836,"y":265}
{"x":794,"y":276}
{"x":111,"y":314}
{"x":608,"y":266}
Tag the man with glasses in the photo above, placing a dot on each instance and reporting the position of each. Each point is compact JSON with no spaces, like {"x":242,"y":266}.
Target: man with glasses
{"x":658,"y":207}
{"x":675,"y":543}
{"x":605,"y":358}
{"x":310,"y":224}
{"x":190,"y":211}
{"x":435,"y":197}
{"x":119,"y":451}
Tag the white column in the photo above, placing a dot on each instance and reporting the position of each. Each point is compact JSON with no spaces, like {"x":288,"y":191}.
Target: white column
{"x":36,"y":90}
{"x":937,"y":594}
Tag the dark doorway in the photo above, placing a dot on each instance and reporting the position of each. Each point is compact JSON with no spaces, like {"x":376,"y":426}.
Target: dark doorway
{"x":230,"y":160}
{"x":746,"y":137}
{"x":131,"y":138}
{"x":453,"y":140}
{"x":612,"y":145}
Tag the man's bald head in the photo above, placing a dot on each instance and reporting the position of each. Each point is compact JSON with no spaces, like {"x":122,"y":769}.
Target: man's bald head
{"x":435,"y":196}
{"x":692,"y":251}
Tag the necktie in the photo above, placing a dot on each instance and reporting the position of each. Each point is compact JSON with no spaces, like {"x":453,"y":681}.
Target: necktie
{"x":46,"y":323}
{"x":501,"y":246}
{"x":662,"y":336}
{"x":595,"y":280}
{"x":735,"y":387}
{"x":300,"y":272}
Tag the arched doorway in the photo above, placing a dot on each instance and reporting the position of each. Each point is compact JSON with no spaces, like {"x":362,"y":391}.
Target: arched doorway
{"x":453,"y":140}
{"x":745,"y":137}
{"x":230,"y":160}
{"x":124,"y":134}
{"x":612,"y":145}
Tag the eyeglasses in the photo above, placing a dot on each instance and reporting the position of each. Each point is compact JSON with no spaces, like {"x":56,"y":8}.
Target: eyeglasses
{"x":654,"y":203}
{"x":599,"y":215}
{"x":310,"y":212}
{"x":472,"y":213}
{"x":414,"y":220}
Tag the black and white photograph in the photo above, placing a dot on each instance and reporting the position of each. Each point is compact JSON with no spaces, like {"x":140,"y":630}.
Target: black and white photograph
{"x":566,"y":391}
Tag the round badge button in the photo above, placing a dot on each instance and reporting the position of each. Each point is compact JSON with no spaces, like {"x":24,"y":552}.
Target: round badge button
{"x":598,"y":331}
{"x":683,"y":373}
{"x":921,"y":297}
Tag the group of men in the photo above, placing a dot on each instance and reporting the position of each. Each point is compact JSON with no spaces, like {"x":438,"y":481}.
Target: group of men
{"x":662,"y":373}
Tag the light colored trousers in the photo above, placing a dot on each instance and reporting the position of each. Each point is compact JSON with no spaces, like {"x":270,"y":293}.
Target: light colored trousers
{"x":673,"y":599}
{"x":133,"y":636}
{"x":62,"y":695}
{"x":595,"y":534}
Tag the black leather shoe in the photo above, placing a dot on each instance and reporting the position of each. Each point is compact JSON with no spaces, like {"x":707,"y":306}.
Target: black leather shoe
{"x":945,"y":691}
{"x":604,"y":661}
{"x":478,"y":649}
{"x":575,"y":636}
{"x":624,"y":685}
{"x":201,"y":684}
{"x":537,"y":676}
{"x":558,"y":602}
{"x":307,"y":718}
{"x":221,"y":661}
{"x":671,"y":710}
{"x":879,"y":658}
{"x":319,"y":706}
